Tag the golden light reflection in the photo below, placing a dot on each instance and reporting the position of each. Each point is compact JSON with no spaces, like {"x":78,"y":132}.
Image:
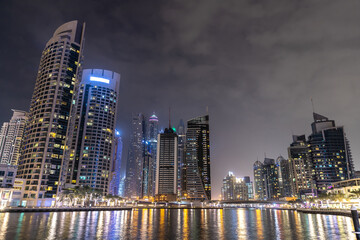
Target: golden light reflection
{"x":259,"y":226}
{"x":162,"y":224}
{"x":221,"y":224}
{"x":186,"y":224}
{"x":134,"y":223}
{"x":241,"y":224}
{"x":144,"y":223}
{"x":150,"y":225}
{"x":5,"y":218}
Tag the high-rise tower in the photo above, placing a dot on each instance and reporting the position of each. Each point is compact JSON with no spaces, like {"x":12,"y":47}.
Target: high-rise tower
{"x":91,"y":149}
{"x":46,"y":132}
{"x":302,"y":172}
{"x":116,"y":174}
{"x":198,"y":179}
{"x":11,"y":136}
{"x":152,"y":139}
{"x":259,"y":181}
{"x":166,"y":166}
{"x":330,"y":152}
{"x":134,"y":167}
{"x":181,"y":159}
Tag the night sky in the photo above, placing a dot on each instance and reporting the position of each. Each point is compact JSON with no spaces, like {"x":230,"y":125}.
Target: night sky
{"x":255,"y":64}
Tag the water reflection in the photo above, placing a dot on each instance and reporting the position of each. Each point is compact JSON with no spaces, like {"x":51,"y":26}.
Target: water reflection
{"x":175,"y":224}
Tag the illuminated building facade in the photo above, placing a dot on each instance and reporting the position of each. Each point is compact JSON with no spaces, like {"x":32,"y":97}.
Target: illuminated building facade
{"x":302,"y":172}
{"x":250,"y":187}
{"x":259,"y":188}
{"x":330,"y":153}
{"x":181,"y":159}
{"x":134,"y":167}
{"x":91,"y":149}
{"x":46,"y":131}
{"x":166,"y":166}
{"x":234,"y":188}
{"x":115,"y":183}
{"x":149,"y":168}
{"x":11,"y":136}
{"x":271,"y":177}
{"x":198,"y":179}
{"x":284,"y":176}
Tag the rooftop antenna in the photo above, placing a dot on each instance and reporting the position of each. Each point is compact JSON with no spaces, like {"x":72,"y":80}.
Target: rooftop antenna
{"x":312,"y":104}
{"x":207,"y":110}
{"x":265,"y":154}
{"x":169,"y":118}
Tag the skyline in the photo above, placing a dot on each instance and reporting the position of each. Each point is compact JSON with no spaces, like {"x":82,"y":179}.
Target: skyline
{"x":249,"y":116}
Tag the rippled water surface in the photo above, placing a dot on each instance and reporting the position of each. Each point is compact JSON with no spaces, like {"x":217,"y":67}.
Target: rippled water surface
{"x":175,"y":224}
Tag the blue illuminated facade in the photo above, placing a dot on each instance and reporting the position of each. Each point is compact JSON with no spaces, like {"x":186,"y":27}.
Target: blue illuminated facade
{"x":91,"y":158}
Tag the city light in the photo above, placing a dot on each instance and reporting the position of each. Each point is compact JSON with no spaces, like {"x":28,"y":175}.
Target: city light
{"x":99,"y":79}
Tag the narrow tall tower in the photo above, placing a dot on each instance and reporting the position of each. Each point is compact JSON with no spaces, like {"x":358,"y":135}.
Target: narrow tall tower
{"x":46,"y":132}
{"x":91,"y":151}
{"x":11,"y":136}
{"x":198,"y":179}
{"x":136,"y":153}
{"x":166,"y":166}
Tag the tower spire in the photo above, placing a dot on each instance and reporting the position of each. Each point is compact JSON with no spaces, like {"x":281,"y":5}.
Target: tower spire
{"x":169,"y":118}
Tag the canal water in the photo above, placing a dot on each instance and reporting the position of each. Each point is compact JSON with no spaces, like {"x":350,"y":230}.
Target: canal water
{"x":174,"y":224}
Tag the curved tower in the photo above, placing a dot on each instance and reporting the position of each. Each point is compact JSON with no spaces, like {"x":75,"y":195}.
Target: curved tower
{"x":47,"y":128}
{"x":91,"y":150}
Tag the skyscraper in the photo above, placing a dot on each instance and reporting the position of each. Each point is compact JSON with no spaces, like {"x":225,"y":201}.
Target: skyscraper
{"x":330,"y":152}
{"x":198,"y":179}
{"x":284,"y":176}
{"x":234,"y":188}
{"x":46,"y":132}
{"x":259,"y":188}
{"x":166,"y":166}
{"x":152,"y":135}
{"x":181,"y":159}
{"x":11,"y":136}
{"x":271,"y":177}
{"x":134,"y":167}
{"x":116,"y":176}
{"x":91,"y":149}
{"x":302,"y":172}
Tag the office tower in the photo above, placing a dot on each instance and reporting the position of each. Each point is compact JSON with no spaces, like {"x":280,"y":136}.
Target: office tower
{"x":181,"y":159}
{"x":116,"y":166}
{"x":11,"y":136}
{"x":147,"y":174}
{"x":330,"y":152}
{"x":198,"y":179}
{"x":234,"y":188}
{"x":46,"y":132}
{"x":227,"y":190}
{"x":284,"y":176}
{"x":271,"y":177}
{"x":259,"y":188}
{"x":166,"y":166}
{"x":134,"y":167}
{"x":302,"y":172}
{"x":250,"y":187}
{"x":91,"y":149}
{"x":150,"y":157}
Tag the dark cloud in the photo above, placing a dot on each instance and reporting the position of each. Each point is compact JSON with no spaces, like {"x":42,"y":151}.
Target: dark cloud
{"x":256,"y":64}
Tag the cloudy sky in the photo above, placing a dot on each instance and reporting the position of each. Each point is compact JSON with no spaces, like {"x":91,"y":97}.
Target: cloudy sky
{"x":255,"y":64}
